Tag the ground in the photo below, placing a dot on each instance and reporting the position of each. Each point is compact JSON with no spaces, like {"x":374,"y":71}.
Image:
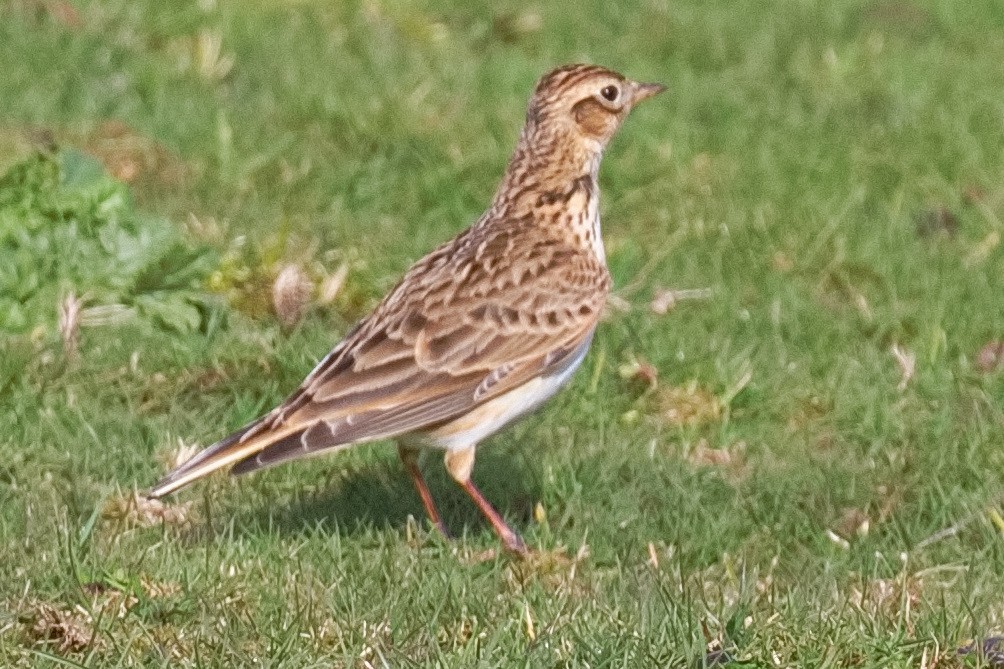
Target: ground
{"x":799,"y":465}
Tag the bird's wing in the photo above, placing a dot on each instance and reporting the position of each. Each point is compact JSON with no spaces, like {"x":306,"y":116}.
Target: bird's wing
{"x":472,"y":320}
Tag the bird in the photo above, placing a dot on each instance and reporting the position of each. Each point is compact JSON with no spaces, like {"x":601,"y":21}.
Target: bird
{"x":482,"y":330}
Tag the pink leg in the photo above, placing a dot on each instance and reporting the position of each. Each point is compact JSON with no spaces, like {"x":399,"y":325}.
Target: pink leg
{"x":513,"y":542}
{"x":460,"y":464}
{"x":409,"y":457}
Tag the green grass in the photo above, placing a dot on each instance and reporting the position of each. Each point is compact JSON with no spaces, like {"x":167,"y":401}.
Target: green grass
{"x":787,"y":170}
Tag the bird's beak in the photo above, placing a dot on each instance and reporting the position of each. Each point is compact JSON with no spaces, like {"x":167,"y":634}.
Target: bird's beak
{"x":645,"y":91}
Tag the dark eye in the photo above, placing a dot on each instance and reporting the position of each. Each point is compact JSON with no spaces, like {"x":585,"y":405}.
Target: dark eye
{"x":610,"y":93}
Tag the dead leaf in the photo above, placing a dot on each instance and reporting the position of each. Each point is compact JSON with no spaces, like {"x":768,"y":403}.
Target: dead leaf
{"x":653,"y":556}
{"x":703,"y":455}
{"x":209,"y":59}
{"x":838,"y":540}
{"x":640,"y":373}
{"x":207,"y":228}
{"x":853,"y":522}
{"x":113,"y":602}
{"x":689,"y":405}
{"x":888,"y":596}
{"x":528,"y":619}
{"x":159,"y":589}
{"x":69,"y":630}
{"x":991,"y":357}
{"x":130,"y":156}
{"x":907,"y":362}
{"x":666,"y":300}
{"x":479,"y":557}
{"x":291,"y":293}
{"x":331,"y":285}
{"x":178,"y":456}
{"x":135,"y":510}
{"x":69,"y":323}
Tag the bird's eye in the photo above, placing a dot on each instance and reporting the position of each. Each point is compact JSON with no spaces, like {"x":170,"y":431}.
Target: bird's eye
{"x":610,"y":93}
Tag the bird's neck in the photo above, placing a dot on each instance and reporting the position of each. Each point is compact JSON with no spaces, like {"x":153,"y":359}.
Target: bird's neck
{"x":554,"y":183}
{"x":548,"y":162}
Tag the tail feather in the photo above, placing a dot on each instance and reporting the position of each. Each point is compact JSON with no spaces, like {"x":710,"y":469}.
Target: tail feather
{"x":317,"y":438}
{"x":225,"y":452}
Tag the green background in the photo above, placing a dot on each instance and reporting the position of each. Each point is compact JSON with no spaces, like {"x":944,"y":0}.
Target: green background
{"x":830,"y":171}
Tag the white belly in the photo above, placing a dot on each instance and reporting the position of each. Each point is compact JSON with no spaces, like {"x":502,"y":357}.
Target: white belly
{"x":495,"y":414}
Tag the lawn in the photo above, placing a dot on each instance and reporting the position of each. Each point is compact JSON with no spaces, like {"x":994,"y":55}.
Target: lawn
{"x":800,"y":466}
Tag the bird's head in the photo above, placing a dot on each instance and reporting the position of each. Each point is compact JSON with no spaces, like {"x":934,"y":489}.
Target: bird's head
{"x":584,"y":102}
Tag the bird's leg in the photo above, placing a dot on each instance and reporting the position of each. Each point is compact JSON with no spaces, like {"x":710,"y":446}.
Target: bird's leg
{"x":460,"y":464}
{"x":409,"y":456}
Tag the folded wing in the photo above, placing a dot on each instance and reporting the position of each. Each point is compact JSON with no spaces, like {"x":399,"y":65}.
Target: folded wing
{"x":459,"y":330}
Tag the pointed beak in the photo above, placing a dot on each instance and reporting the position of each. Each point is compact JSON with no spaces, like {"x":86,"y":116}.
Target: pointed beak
{"x":645,"y":91}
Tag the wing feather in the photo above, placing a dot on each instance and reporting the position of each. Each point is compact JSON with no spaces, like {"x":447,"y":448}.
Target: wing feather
{"x":455,"y":333}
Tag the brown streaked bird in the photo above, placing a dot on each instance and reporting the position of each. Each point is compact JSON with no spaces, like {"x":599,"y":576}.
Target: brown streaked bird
{"x":479,"y":332}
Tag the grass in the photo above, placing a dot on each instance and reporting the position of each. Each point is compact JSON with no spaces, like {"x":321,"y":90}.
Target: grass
{"x":779,"y":496}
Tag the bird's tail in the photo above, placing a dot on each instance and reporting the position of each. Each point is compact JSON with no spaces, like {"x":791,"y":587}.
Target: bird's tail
{"x":243,"y":444}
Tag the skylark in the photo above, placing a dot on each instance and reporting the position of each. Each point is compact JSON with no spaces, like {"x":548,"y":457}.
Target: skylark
{"x":479,"y":332}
